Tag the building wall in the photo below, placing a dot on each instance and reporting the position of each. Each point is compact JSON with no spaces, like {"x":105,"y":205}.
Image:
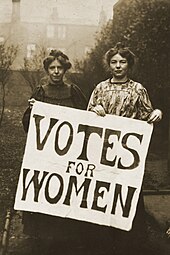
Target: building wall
{"x":74,"y":37}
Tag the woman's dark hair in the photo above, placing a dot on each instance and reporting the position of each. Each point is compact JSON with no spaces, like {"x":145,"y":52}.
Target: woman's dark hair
{"x":123,"y":51}
{"x":60,"y":56}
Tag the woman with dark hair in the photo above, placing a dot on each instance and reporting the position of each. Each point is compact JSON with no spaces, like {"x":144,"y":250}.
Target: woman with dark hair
{"x":119,"y":95}
{"x":60,"y":56}
{"x":56,"y":91}
{"x":124,"y":52}
{"x":54,"y":235}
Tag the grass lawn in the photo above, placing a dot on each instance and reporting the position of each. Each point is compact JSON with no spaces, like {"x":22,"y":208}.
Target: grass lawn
{"x":12,"y":142}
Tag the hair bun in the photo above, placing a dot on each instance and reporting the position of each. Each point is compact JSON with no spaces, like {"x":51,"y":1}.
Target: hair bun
{"x":57,"y":53}
{"x":119,"y":45}
{"x":60,"y":56}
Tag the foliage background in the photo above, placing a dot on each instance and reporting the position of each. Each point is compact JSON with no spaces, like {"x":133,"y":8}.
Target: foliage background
{"x":143,"y":26}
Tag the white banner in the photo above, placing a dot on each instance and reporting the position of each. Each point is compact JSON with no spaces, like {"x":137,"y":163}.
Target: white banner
{"x":81,"y":166}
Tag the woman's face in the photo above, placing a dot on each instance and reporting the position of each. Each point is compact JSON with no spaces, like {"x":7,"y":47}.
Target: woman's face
{"x":56,"y":71}
{"x":119,"y":66}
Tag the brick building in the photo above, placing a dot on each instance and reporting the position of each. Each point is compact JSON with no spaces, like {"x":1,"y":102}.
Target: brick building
{"x":58,"y":24}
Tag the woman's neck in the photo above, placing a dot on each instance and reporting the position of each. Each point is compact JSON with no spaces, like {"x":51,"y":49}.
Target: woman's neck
{"x":59,"y":83}
{"x":115,"y":80}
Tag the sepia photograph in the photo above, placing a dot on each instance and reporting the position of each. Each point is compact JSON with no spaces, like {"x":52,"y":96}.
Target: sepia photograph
{"x":84,"y":127}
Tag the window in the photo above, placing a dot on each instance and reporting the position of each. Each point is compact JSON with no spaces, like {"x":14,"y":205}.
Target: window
{"x":61,"y":32}
{"x":50,"y":31}
{"x":30,"y":50}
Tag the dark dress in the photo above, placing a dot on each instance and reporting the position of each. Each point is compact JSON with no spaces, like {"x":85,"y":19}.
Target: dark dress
{"x":55,"y":233}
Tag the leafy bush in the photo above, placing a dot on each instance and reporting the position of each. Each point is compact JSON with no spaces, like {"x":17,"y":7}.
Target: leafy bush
{"x":143,"y":26}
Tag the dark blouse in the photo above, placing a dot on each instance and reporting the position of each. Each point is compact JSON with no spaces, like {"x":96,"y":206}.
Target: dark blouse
{"x":63,"y":94}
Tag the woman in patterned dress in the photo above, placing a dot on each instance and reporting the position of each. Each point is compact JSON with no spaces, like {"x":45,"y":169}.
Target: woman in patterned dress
{"x":120,"y":95}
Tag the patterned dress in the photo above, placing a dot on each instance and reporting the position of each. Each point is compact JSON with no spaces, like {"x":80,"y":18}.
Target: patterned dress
{"x":129,"y":99}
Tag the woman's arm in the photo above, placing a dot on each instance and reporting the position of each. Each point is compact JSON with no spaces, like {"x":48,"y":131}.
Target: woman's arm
{"x":145,"y":109}
{"x":94,"y":104}
{"x":36,"y":95}
{"x":79,"y":98}
{"x":155,"y":116}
